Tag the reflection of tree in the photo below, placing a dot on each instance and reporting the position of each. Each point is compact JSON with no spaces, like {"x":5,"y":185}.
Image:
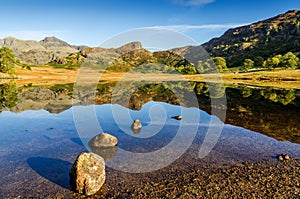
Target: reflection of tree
{"x":134,"y":94}
{"x":8,"y":95}
{"x":282,"y":96}
{"x":201,"y":88}
{"x":259,"y":113}
{"x":212,"y":90}
{"x":246,"y":91}
{"x":216,"y":90}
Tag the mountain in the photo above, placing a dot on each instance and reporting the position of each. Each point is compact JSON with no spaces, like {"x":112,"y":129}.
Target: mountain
{"x":257,"y":41}
{"x":54,"y":50}
{"x":53,"y":43}
{"x":18,"y":45}
{"x":34,"y":52}
{"x":266,"y":38}
{"x":129,"y":47}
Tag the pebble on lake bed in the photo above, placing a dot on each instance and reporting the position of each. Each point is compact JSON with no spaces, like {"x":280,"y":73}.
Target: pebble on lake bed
{"x":286,"y":157}
{"x":87,"y":174}
{"x":280,"y":158}
{"x":283,"y":157}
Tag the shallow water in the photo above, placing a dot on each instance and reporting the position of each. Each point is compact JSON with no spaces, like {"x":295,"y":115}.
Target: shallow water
{"x":37,"y":148}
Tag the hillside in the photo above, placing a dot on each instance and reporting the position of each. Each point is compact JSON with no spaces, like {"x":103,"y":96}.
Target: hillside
{"x":55,"y":52}
{"x":266,"y":38}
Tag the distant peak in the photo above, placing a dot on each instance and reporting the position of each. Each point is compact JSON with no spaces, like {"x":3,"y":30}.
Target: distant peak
{"x":50,"y":39}
{"x":135,"y":45}
{"x":10,"y":38}
{"x":53,"y":43}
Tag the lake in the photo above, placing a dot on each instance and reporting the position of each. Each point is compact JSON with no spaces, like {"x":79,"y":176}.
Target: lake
{"x":43,"y":129}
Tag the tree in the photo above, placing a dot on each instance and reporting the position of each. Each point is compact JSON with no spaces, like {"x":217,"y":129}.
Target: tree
{"x":7,"y":60}
{"x":289,"y":60}
{"x":248,"y":64}
{"x":258,"y":61}
{"x":271,"y":62}
{"x":220,"y":63}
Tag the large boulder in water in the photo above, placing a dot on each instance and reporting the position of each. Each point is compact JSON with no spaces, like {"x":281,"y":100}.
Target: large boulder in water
{"x":103,"y":140}
{"x":87,"y":174}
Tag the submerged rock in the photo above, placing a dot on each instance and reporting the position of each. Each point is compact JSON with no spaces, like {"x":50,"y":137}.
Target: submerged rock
{"x":87,"y":174}
{"x":105,"y":152}
{"x":103,"y":140}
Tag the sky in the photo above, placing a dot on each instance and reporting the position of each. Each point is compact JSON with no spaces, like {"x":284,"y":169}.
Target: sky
{"x":93,"y":22}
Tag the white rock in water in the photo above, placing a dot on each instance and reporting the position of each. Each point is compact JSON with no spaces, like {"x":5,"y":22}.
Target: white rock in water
{"x":87,"y":174}
{"x":136,"y":124}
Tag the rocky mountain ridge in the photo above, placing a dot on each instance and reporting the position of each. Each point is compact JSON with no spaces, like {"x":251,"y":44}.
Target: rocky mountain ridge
{"x":257,"y":41}
{"x":52,"y":49}
{"x":34,"y":52}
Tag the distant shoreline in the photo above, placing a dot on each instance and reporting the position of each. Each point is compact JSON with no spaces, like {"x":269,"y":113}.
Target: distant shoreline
{"x":47,"y":75}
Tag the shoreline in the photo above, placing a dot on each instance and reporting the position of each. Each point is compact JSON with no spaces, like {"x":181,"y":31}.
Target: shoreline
{"x":246,"y":180}
{"x":46,"y":75}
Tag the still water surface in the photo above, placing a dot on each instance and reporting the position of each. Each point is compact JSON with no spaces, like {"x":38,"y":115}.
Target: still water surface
{"x":39,"y":140}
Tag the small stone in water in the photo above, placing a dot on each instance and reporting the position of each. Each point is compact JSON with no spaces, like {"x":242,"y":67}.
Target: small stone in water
{"x":178,"y":117}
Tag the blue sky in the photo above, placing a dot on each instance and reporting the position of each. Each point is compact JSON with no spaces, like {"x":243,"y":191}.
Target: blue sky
{"x":91,"y":22}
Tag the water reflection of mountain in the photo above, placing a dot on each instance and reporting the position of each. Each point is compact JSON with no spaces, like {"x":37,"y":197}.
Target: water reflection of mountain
{"x":53,"y":99}
{"x":269,"y":111}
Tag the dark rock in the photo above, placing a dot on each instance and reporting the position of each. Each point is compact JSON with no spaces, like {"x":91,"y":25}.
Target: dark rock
{"x":87,"y":174}
{"x":178,"y":117}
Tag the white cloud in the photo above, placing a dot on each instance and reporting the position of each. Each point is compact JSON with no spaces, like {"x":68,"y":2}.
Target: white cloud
{"x":32,"y":34}
{"x":192,"y":2}
{"x":185,"y":28}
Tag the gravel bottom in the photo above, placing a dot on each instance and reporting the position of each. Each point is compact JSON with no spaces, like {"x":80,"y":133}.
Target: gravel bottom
{"x":264,"y":179}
